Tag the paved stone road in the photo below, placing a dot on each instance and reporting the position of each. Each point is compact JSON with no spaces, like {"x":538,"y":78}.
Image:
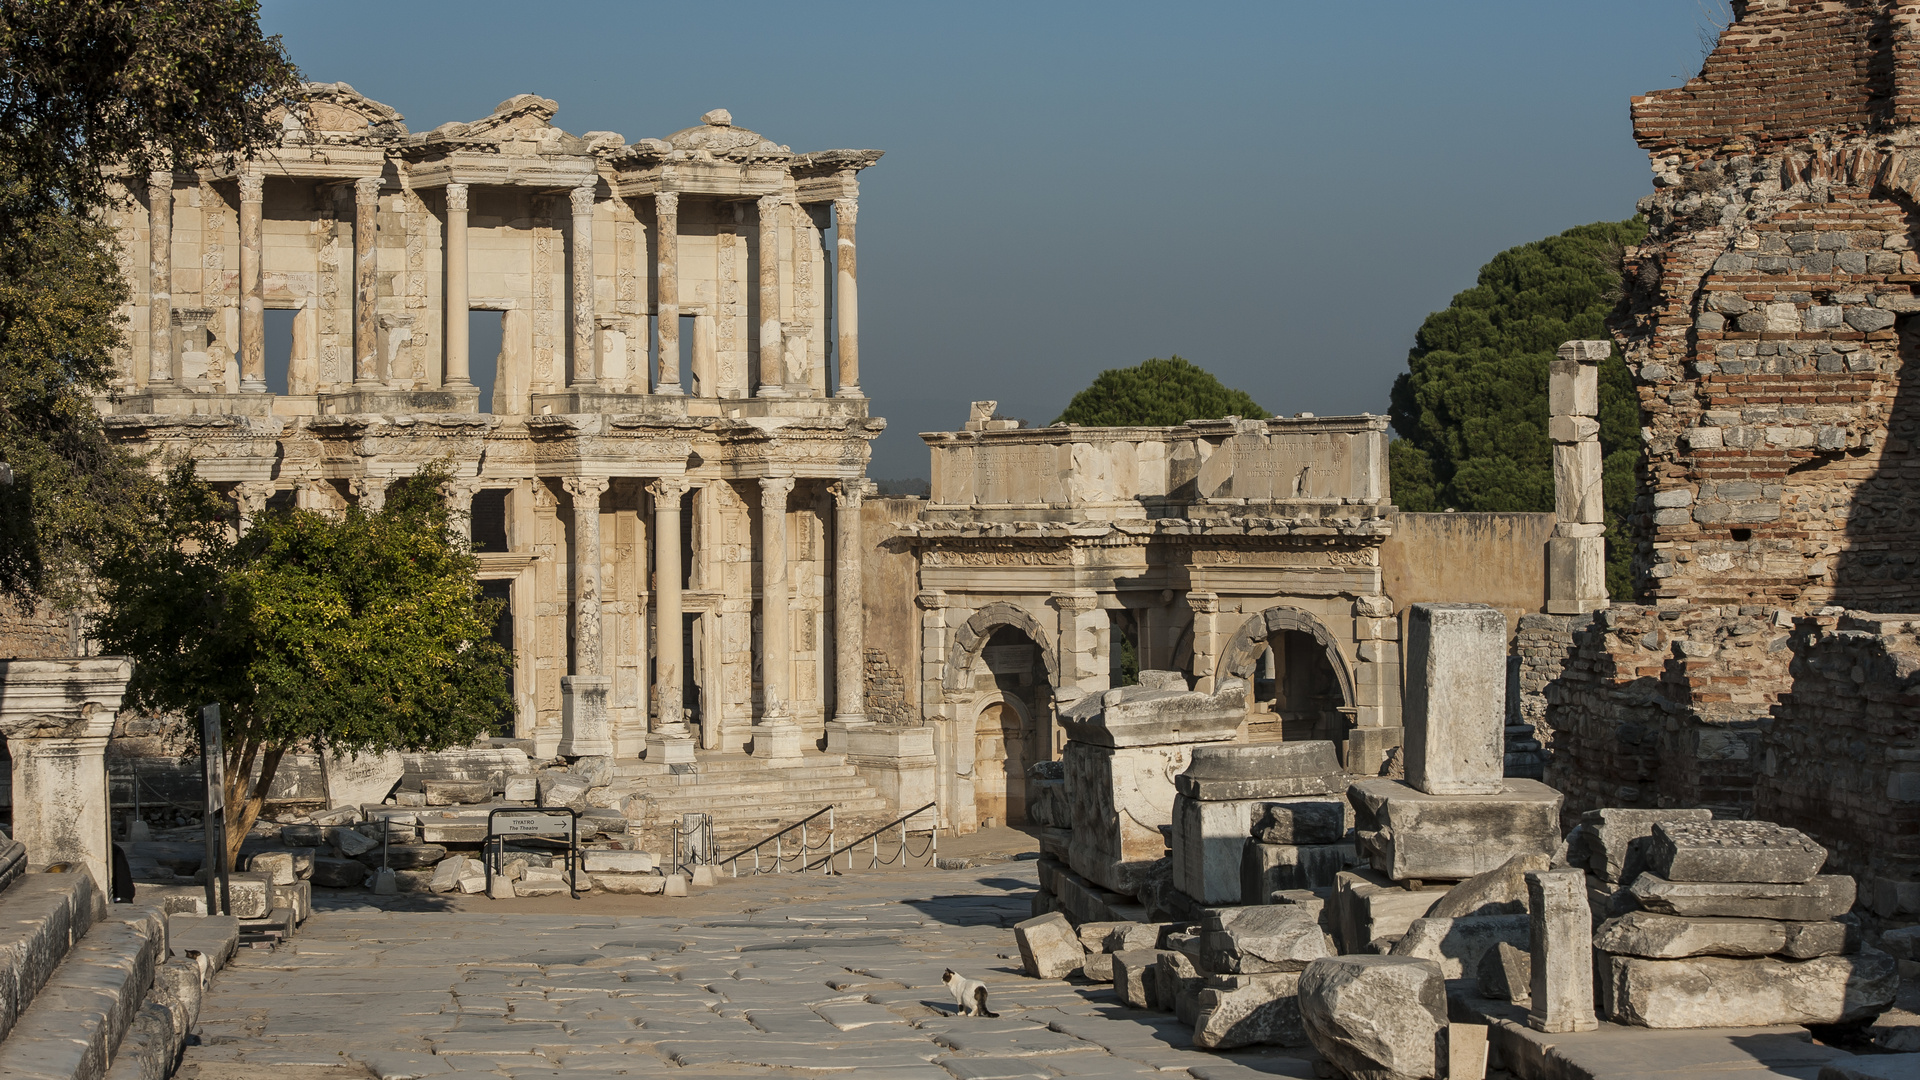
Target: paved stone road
{"x":773,"y":978}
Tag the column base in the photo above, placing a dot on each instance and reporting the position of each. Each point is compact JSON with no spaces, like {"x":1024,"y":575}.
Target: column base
{"x":839,"y":727}
{"x":849,"y":392}
{"x":772,"y":391}
{"x":585,"y":729}
{"x":253,"y":386}
{"x":670,"y":748}
{"x":777,"y":742}
{"x":670,"y":390}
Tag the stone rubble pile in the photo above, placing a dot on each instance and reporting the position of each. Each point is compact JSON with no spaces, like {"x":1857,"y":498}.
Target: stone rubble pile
{"x":1737,"y":927}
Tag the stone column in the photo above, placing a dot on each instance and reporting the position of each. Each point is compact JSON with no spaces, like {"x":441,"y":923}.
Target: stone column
{"x":1562,"y":940}
{"x":773,"y":365}
{"x":459,"y":495}
{"x":366,"y":283}
{"x":458,"y":371}
{"x":849,"y":629}
{"x":160,"y":277}
{"x":253,"y":316}
{"x":251,"y":498}
{"x":670,"y":740}
{"x":775,"y":737}
{"x":1456,"y":699}
{"x":583,"y":372}
{"x":56,"y":716}
{"x":1577,"y":551}
{"x":846,"y":295}
{"x":1206,"y":649}
{"x":369,"y":492}
{"x":666,"y":207}
{"x":585,"y":730}
{"x":1083,"y":626}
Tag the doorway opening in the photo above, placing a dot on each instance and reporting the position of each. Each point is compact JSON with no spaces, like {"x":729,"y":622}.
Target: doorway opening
{"x":503,"y":636}
{"x":489,"y":520}
{"x":1007,"y":740}
{"x":1296,"y":693}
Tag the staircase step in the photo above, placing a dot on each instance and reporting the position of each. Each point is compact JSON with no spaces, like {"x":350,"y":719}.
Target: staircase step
{"x":75,"y":1023}
{"x":41,"y":916}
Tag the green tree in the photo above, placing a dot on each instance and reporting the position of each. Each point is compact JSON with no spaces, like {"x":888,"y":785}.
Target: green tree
{"x":351,"y":632}
{"x":1471,"y":409}
{"x":87,"y":86}
{"x":1158,"y":393}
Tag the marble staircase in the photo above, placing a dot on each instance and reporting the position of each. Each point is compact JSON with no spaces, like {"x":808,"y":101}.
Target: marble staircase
{"x":750,"y":798}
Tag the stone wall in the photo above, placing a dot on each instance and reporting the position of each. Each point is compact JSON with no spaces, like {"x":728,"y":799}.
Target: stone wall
{"x":1494,"y":559}
{"x":889,"y":578}
{"x":1542,"y":646}
{"x":1841,"y":761}
{"x":37,"y":633}
{"x":887,"y":692}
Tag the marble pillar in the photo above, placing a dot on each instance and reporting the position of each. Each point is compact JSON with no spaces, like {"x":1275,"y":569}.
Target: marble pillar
{"x":666,"y":206}
{"x":772,"y":341}
{"x":56,"y":716}
{"x":160,"y":277}
{"x":849,"y":628}
{"x":670,"y":740}
{"x":253,"y":316}
{"x":1561,"y":935}
{"x":582,"y":274}
{"x":366,"y":283}
{"x":251,"y":499}
{"x":846,"y":294}
{"x":458,"y":370}
{"x":369,"y":492}
{"x":776,"y":737}
{"x":585,"y":729}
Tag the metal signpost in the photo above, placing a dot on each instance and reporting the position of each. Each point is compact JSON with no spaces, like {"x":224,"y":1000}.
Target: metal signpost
{"x":530,"y":824}
{"x":214,"y":819}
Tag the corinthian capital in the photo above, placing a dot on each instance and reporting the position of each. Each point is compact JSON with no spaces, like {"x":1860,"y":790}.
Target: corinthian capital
{"x":456,"y":196}
{"x":366,"y":190}
{"x":846,"y":211}
{"x":776,"y":487}
{"x":252,"y":186}
{"x":666,"y":203}
{"x":668,"y":489}
{"x":582,"y":198}
{"x":848,"y":494}
{"x":586,"y":488}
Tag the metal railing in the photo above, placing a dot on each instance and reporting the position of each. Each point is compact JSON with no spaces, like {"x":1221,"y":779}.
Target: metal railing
{"x":930,"y":852}
{"x":780,"y":856}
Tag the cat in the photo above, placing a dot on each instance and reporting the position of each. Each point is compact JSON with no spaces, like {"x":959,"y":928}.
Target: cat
{"x":970,"y":994}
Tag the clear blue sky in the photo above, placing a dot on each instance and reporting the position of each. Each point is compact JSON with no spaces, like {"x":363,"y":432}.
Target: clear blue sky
{"x":1279,"y":192}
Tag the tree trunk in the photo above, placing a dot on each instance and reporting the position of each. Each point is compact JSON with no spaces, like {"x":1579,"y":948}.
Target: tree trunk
{"x":245,"y":799}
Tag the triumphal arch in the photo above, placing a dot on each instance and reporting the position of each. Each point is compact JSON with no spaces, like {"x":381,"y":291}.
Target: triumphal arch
{"x":663,"y":461}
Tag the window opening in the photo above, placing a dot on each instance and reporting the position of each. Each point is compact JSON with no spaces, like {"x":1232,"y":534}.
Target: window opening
{"x":489,"y":520}
{"x":485,"y":335}
{"x":279,"y":333}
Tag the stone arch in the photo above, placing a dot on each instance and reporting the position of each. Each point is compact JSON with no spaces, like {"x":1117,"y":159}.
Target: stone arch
{"x":1250,"y":642}
{"x":969,"y":640}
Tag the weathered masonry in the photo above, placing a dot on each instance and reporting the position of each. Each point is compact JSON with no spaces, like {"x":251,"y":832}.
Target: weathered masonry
{"x":1770,"y":325}
{"x":664,"y":464}
{"x":1226,"y":548}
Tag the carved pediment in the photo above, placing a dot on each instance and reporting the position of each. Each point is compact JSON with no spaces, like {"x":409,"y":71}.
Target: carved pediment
{"x":336,"y":112}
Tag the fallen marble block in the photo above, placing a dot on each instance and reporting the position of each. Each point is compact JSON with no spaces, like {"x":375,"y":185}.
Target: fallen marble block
{"x":596,"y":770}
{"x":349,"y":841}
{"x":1249,"y":1010}
{"x":1122,"y":936}
{"x":1711,"y":991}
{"x":1375,"y":1017}
{"x":338,"y":873}
{"x":1806,"y":940}
{"x":523,"y":788}
{"x":1098,"y":967}
{"x":601,"y":860}
{"x":404,"y":856}
{"x":1411,"y":835}
{"x":1653,"y":936}
{"x":1259,"y":940}
{"x":1269,"y":868}
{"x":249,"y":895}
{"x":1458,"y":945}
{"x":1506,"y":973}
{"x":562,"y":789}
{"x":1179,"y":985}
{"x":446,"y":874}
{"x":1300,"y":821}
{"x":303,"y":836}
{"x":277,"y":865}
{"x":1261,"y":771}
{"x":1500,"y":891}
{"x":458,"y":792}
{"x":1135,"y":977}
{"x":1368,"y":907}
{"x":1612,"y":841}
{"x":1822,"y":898}
{"x":630,"y":884}
{"x":1049,"y":948}
{"x":1733,"y":851}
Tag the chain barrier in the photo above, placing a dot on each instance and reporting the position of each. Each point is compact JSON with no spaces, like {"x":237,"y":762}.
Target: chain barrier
{"x":777,"y":860}
{"x":904,"y":855}
{"x":692,"y":843}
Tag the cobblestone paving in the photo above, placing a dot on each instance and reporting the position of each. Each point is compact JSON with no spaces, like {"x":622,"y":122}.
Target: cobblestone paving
{"x":773,"y":978}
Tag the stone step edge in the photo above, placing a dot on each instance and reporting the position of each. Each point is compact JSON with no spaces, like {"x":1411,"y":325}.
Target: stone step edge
{"x":75,"y":1024}
{"x":41,"y":917}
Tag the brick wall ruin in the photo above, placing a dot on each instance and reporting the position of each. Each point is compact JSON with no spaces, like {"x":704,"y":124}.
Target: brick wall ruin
{"x":1769,"y":325}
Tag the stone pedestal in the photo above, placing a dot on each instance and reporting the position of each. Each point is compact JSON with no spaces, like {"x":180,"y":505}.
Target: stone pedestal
{"x":1218,"y":797}
{"x":838,"y":732}
{"x":1456,"y":705}
{"x":1124,"y":749}
{"x":585,"y":728}
{"x":1562,"y":940}
{"x":56,"y":716}
{"x":777,"y":741}
{"x":664,"y":748}
{"x":898,"y":762}
{"x":1411,"y":835}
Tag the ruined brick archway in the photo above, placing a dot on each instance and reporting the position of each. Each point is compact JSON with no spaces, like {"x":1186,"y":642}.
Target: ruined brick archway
{"x":970,"y":640}
{"x":1250,"y":643}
